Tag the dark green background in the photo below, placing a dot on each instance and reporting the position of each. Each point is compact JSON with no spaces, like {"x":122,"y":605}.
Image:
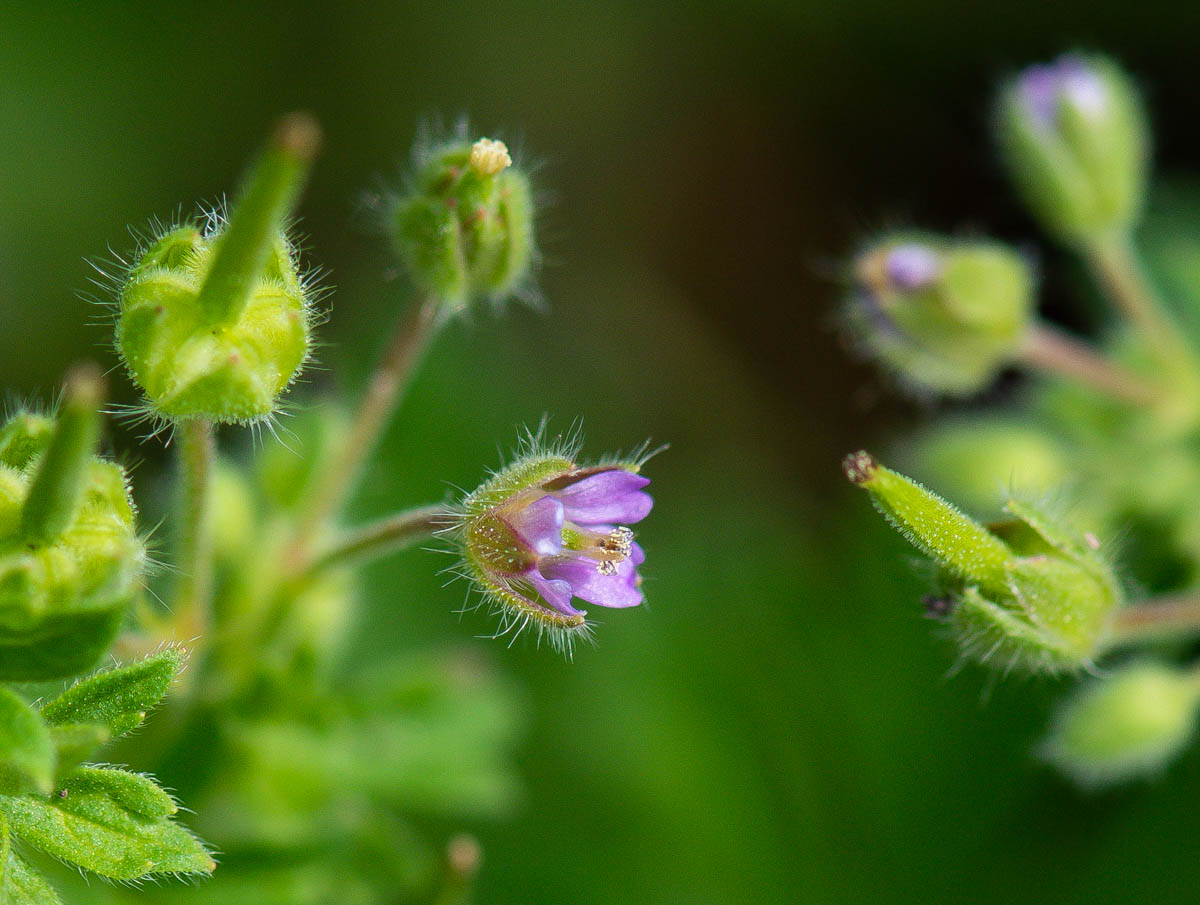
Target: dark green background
{"x":776,"y":724}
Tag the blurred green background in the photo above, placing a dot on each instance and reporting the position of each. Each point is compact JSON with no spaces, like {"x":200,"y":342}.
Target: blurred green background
{"x":776,"y":724}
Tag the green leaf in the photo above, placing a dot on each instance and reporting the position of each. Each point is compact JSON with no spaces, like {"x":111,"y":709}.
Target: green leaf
{"x":63,"y":644}
{"x":77,"y":742}
{"x":110,"y":822}
{"x":117,"y":698}
{"x":19,"y":883}
{"x":27,"y":756}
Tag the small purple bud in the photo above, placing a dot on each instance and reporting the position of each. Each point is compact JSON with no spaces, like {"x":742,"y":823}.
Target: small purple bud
{"x":1068,"y":79}
{"x":912,"y":266}
{"x":1074,"y":137}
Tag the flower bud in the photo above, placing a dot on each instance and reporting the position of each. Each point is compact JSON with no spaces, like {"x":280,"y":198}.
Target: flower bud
{"x":1125,"y":725}
{"x":70,"y":557}
{"x":465,"y":231}
{"x":1074,"y":137}
{"x":215,"y":318}
{"x":546,"y":530}
{"x":1026,"y":593}
{"x":942,"y":315}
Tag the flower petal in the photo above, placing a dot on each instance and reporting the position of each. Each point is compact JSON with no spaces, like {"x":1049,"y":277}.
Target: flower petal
{"x":555,"y":592}
{"x":610,"y":497}
{"x":539,"y":525}
{"x":619,"y":589}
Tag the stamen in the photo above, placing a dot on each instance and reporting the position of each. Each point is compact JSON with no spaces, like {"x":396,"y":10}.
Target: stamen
{"x":619,"y":541}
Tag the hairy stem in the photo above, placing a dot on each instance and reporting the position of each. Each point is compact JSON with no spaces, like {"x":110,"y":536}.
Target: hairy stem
{"x":1117,"y":267}
{"x":1054,"y":352}
{"x":192,"y":601}
{"x":382,"y":537}
{"x":408,"y":345}
{"x":1166,"y":618}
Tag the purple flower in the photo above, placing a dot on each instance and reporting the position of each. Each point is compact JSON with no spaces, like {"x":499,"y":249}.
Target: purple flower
{"x":544,"y":532}
{"x":1044,"y":88}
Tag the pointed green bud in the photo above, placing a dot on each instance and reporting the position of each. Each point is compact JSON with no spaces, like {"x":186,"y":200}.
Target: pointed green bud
{"x":56,"y":493}
{"x":943,"y":315}
{"x":70,"y":556}
{"x":1126,"y":725}
{"x":1074,"y":137}
{"x":1027,"y":593}
{"x":465,"y":231}
{"x":215,"y":321}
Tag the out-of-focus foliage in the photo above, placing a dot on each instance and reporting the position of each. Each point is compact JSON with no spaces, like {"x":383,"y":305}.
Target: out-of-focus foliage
{"x":775,"y":727}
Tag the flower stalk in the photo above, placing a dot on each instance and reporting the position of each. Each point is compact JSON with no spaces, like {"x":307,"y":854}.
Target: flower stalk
{"x":1166,"y":618}
{"x":193,"y":592}
{"x":410,"y":341}
{"x":379,"y":538}
{"x":1117,"y":268}
{"x":1053,"y":352}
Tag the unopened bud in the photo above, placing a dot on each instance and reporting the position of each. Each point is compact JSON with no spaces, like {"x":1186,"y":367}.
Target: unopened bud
{"x":1074,"y":137}
{"x":215,"y":321}
{"x":1027,"y":593}
{"x":70,"y":556}
{"x":465,"y":231}
{"x":1125,"y":725}
{"x":942,"y":315}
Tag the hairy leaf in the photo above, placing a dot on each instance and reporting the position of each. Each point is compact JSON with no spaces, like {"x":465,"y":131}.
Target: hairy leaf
{"x":117,"y":698}
{"x":19,"y":883}
{"x":27,"y":756}
{"x":110,"y":822}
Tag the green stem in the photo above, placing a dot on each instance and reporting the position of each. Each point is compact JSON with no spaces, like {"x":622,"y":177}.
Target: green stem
{"x":193,"y":593}
{"x":1117,"y":267}
{"x":382,"y":537}
{"x":1051,"y":351}
{"x":268,"y":196}
{"x":58,"y":486}
{"x":383,"y":394}
{"x":1161,"y":619}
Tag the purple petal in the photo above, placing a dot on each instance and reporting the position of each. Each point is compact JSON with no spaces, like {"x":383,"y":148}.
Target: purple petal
{"x":616,"y":590}
{"x":1085,"y":90}
{"x":1039,"y":91}
{"x":539,"y":525}
{"x":610,"y":497}
{"x":913,"y":266}
{"x":555,"y":592}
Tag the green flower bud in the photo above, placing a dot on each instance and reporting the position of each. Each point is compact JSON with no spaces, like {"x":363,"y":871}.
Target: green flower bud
{"x":1027,"y":593}
{"x":943,"y":316}
{"x":215,"y":318}
{"x":465,"y":231}
{"x":1074,"y":137}
{"x":70,"y":556}
{"x":1126,"y":725}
